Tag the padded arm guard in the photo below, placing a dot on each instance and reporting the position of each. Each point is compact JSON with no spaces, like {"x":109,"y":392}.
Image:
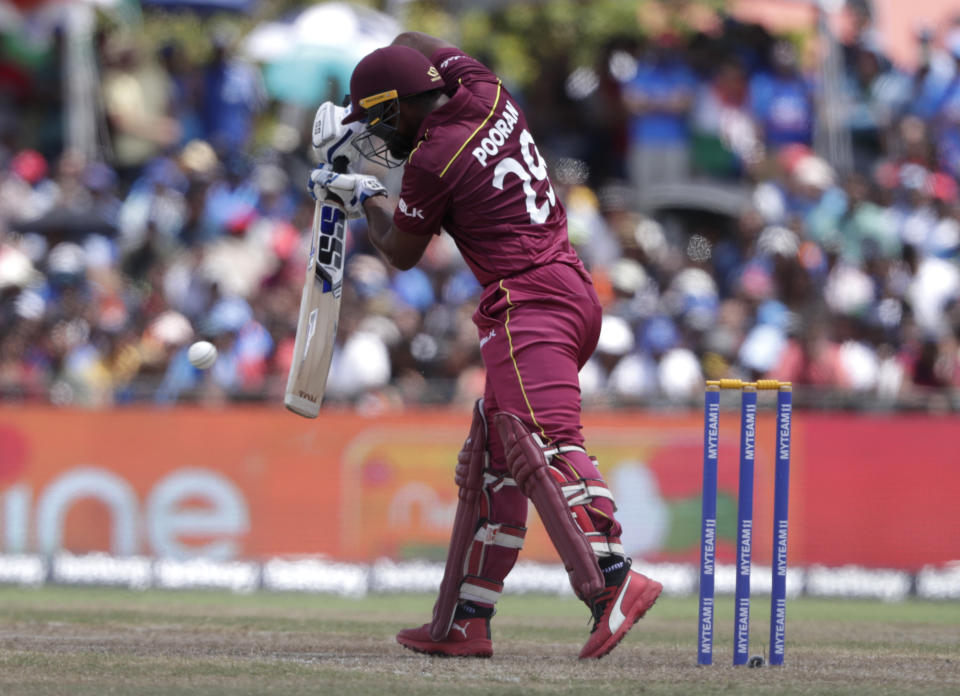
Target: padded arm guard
{"x":531,"y":470}
{"x":471,"y":463}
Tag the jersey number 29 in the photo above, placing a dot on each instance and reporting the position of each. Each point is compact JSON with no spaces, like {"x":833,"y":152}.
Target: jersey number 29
{"x":536,"y":169}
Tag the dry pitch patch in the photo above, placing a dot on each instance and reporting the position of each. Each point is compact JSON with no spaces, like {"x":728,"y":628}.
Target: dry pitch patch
{"x":97,"y":641}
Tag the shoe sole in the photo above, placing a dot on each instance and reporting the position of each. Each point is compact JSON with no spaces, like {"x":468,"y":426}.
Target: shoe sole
{"x":483,"y":651}
{"x":647,"y":599}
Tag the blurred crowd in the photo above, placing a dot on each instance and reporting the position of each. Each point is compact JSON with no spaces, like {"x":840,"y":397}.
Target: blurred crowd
{"x":195,"y":224}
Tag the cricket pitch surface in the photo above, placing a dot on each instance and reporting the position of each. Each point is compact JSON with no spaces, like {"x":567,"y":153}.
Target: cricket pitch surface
{"x":79,"y":641}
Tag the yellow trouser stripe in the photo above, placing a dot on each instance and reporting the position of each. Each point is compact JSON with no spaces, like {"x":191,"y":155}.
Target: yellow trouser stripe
{"x":513,"y":359}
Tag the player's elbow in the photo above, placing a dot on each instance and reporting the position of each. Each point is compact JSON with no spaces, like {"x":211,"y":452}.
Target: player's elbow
{"x":391,"y":248}
{"x":407,"y":38}
{"x":399,"y":259}
{"x":426,"y":44}
{"x":400,"y":249}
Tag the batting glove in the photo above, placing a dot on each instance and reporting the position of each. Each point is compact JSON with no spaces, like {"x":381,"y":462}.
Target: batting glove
{"x":331,"y":139}
{"x":352,"y":189}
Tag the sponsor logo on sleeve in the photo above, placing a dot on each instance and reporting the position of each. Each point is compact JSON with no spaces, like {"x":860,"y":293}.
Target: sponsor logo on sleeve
{"x":410,"y":211}
{"x":449,"y":60}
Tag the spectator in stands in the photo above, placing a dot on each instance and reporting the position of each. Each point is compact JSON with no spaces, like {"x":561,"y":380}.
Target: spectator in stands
{"x":849,"y":221}
{"x":880,"y":94}
{"x":782,"y":100}
{"x":658,"y":100}
{"x":945,"y":114}
{"x":726,"y":138}
{"x":610,"y":118}
{"x":26,"y":190}
{"x":137,"y":98}
{"x":186,"y":91}
{"x":233,"y":96}
{"x":836,"y":281}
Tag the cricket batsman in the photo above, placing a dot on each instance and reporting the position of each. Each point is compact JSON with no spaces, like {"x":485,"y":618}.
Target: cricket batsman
{"x":472,"y":168}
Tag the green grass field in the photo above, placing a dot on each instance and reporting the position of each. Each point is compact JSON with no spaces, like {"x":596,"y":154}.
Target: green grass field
{"x":98,"y":641}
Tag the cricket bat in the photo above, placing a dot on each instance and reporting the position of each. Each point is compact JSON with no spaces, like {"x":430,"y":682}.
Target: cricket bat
{"x":319,"y":308}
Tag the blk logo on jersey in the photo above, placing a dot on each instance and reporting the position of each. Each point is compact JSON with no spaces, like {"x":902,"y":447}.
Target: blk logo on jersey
{"x":409,"y":211}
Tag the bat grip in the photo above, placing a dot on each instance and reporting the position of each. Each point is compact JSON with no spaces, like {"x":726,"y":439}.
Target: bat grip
{"x":340,"y":165}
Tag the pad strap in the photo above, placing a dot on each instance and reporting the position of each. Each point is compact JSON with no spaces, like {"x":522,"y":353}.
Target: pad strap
{"x":471,"y":462}
{"x":492,"y":534}
{"x":536,"y":479}
{"x":604,"y":545}
{"x":477,"y":589}
{"x":580,"y":495}
{"x":583,"y":492}
{"x":494,"y":483}
{"x":549,"y":452}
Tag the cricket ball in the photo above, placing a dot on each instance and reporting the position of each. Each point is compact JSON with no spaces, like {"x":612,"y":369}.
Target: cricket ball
{"x":202,"y":354}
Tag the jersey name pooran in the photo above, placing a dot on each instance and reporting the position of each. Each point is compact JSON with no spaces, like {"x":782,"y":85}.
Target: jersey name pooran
{"x":498,"y":134}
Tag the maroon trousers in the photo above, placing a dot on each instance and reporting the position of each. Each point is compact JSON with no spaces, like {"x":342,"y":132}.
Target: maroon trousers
{"x":536,"y":331}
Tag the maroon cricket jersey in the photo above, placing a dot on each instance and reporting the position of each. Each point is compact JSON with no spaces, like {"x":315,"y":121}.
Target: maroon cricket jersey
{"x":476,"y":172}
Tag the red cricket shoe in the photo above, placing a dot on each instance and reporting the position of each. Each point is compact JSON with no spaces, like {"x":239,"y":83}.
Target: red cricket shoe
{"x":467,"y":638}
{"x":616,"y":609}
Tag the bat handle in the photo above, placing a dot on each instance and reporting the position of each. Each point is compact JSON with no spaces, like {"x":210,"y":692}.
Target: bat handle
{"x":339,"y":166}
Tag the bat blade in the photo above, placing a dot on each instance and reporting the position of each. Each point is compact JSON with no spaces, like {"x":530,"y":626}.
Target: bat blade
{"x":319,"y":312}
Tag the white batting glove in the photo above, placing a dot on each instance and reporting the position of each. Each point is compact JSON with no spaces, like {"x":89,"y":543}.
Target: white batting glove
{"x":331,"y":139}
{"x":352,"y":189}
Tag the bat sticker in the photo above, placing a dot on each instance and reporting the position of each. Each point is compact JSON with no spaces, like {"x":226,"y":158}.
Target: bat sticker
{"x":329,"y":252}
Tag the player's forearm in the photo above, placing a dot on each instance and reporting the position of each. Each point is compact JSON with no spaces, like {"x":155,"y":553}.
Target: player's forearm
{"x":426,"y":44}
{"x":381,"y":232}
